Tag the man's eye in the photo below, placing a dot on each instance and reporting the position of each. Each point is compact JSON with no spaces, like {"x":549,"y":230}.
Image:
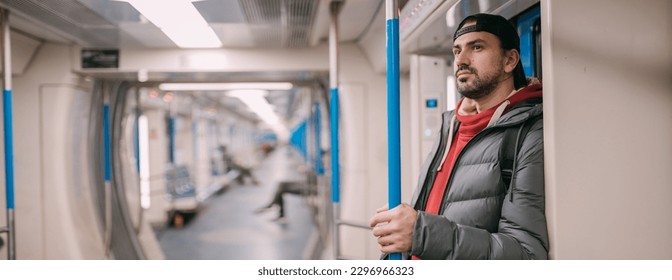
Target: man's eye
{"x":476,"y":47}
{"x":456,"y":52}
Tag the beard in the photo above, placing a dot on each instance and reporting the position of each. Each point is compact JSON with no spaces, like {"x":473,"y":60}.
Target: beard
{"x":481,"y":86}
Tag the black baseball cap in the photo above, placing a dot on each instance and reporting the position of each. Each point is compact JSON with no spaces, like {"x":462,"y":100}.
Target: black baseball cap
{"x":504,"y":30}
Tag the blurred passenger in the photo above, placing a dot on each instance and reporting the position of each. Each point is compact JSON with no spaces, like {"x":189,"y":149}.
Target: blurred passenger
{"x":266,"y":148}
{"x":278,"y":202}
{"x":232,"y":164}
{"x":301,"y":188}
{"x":463,"y":209}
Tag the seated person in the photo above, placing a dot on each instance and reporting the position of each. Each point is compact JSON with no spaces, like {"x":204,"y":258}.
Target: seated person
{"x":232,"y":164}
{"x":292,"y":187}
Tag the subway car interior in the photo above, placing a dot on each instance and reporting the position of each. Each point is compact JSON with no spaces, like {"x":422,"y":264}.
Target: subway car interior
{"x":258,"y":129}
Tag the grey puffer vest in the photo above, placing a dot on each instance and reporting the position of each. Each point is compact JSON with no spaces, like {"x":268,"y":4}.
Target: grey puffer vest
{"x":479,"y":218}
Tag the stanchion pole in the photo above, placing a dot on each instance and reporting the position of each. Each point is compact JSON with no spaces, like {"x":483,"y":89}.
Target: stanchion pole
{"x":393,"y":118}
{"x":9,"y":142}
{"x":334,"y":9}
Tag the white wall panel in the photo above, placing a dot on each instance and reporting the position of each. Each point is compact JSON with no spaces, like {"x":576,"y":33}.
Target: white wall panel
{"x":68,"y":198}
{"x":608,"y":128}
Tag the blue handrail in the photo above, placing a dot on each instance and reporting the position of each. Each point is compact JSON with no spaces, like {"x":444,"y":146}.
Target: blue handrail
{"x":171,"y":139}
{"x":136,"y":141}
{"x":106,"y":143}
{"x":9,"y":135}
{"x":393,"y":115}
{"x":9,"y":147}
{"x":319,"y":168}
{"x":335,"y":168}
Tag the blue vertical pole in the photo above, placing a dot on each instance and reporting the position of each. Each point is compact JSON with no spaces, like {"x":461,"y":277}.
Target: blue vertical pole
{"x":334,"y":9}
{"x":171,"y":139}
{"x":9,"y":146}
{"x":106,"y":144}
{"x":319,"y":169}
{"x":9,"y":136}
{"x":335,"y":170}
{"x":107,"y":174}
{"x":393,"y":126}
{"x":136,"y":142}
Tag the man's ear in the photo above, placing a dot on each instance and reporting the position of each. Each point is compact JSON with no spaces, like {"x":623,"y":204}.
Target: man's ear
{"x":511,"y":58}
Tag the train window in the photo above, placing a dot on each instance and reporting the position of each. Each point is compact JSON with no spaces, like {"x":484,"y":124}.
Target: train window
{"x":530,"y":44}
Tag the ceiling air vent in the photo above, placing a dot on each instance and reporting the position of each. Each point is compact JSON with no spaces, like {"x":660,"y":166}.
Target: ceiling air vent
{"x":280,"y":23}
{"x":69,"y":16}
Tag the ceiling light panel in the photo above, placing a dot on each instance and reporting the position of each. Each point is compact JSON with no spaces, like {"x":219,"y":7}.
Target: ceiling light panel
{"x":180,"y":21}
{"x":223,"y":86}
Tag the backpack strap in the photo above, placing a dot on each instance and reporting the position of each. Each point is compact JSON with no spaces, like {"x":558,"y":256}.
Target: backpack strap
{"x":511,"y":143}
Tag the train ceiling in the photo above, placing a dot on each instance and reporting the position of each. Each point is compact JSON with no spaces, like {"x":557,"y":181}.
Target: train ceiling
{"x":237,"y":23}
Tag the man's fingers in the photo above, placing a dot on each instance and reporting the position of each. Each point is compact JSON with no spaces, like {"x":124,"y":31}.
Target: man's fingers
{"x":381,"y":231}
{"x":393,"y":243}
{"x":381,"y":209}
{"x":387,"y":244}
{"x":382,"y":217}
{"x":385,"y":240}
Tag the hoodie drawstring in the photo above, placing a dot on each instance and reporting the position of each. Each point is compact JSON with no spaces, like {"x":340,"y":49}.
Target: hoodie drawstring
{"x":498,"y":113}
{"x":450,"y":141}
{"x":495,"y":117}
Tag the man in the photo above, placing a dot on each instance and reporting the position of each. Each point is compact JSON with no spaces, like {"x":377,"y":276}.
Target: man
{"x":462,"y":208}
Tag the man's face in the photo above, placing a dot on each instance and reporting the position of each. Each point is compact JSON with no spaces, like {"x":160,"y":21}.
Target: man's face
{"x":479,"y":63}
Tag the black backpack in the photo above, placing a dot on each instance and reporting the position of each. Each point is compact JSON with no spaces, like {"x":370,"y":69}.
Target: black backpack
{"x":511,"y":143}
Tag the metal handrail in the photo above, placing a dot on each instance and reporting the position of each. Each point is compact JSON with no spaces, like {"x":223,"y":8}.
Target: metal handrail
{"x":352,"y":224}
{"x":138,"y":114}
{"x":334,"y":8}
{"x":393,"y":114}
{"x":107,"y":176}
{"x":9,"y":144}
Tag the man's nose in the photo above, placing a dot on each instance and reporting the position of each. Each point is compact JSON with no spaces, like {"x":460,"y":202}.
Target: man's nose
{"x":461,"y":59}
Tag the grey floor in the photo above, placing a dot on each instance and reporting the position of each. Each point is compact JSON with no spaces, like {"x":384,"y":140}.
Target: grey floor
{"x":226,"y":228}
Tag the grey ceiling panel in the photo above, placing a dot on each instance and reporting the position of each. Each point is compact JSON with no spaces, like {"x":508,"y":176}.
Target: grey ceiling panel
{"x":220,"y":11}
{"x":114,"y":11}
{"x":238,"y":23}
{"x":280,"y":23}
{"x":70,"y":17}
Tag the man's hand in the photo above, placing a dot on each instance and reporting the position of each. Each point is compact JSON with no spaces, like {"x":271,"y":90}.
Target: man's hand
{"x":394,"y":228}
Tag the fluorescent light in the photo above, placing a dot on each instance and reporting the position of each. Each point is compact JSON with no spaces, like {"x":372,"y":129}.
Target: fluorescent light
{"x":223,"y":86}
{"x":180,"y":21}
{"x":254,"y":99}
